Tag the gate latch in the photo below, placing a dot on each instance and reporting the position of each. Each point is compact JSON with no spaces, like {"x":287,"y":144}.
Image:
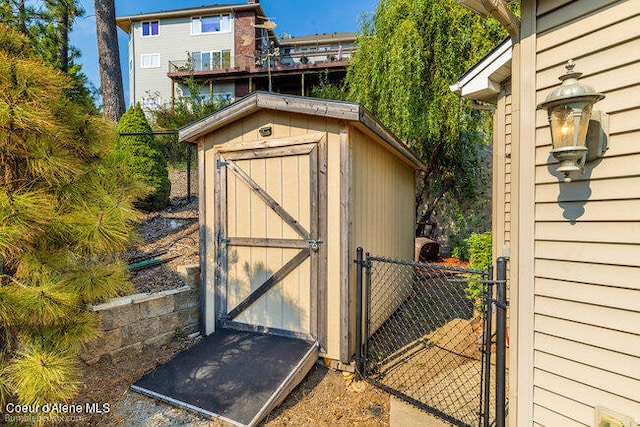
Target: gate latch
{"x":314,"y":244}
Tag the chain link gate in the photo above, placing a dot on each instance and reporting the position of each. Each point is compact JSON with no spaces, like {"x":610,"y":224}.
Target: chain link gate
{"x":426,"y":337}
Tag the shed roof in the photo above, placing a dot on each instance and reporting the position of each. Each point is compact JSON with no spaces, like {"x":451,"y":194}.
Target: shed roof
{"x":341,"y":110}
{"x":482,"y":82}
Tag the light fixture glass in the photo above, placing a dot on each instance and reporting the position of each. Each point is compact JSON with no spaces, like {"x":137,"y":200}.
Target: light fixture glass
{"x":569,"y":110}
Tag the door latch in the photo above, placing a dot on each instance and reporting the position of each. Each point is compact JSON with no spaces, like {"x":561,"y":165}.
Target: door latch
{"x":314,"y":244}
{"x":222,"y":240}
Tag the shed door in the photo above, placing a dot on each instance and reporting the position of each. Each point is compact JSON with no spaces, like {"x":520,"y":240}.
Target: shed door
{"x":268,"y":239}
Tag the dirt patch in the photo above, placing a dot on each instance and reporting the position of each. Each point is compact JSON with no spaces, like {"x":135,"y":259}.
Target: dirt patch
{"x":171,"y":234}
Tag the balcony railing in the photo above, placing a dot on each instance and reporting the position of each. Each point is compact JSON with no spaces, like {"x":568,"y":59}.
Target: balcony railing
{"x":252,"y":63}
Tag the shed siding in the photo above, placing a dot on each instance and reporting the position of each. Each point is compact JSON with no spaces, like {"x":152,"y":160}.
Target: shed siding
{"x":383,"y":213}
{"x":587,"y":233}
{"x":283,"y":125}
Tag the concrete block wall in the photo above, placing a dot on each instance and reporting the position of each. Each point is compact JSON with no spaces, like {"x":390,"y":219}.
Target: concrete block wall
{"x":136,"y":323}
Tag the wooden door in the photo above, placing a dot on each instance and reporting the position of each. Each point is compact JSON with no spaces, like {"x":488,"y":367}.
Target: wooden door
{"x":268,"y":239}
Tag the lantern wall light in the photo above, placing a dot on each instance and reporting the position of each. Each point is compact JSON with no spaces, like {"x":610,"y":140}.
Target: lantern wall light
{"x":578,"y":134}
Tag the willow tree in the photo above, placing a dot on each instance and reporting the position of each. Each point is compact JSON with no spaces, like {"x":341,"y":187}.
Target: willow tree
{"x":409,"y":52}
{"x":65,"y":209}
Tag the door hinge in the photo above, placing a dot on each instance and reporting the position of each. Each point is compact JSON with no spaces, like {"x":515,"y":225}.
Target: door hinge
{"x":314,"y":244}
{"x":222,"y":240}
{"x":220,"y":163}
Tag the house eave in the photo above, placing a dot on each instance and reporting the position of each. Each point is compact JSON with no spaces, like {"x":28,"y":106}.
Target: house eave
{"x":483,"y":81}
{"x":124,"y":22}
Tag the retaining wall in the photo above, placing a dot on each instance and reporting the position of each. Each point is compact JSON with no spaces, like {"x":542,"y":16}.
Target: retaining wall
{"x":142,"y":322}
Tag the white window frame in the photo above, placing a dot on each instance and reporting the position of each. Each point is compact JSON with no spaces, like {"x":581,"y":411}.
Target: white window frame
{"x":211,"y":55}
{"x":153,"y":57}
{"x":196,"y":24}
{"x":150,"y":27}
{"x":150,"y":103}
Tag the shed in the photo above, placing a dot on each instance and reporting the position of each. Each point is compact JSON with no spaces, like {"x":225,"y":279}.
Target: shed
{"x":288,"y":188}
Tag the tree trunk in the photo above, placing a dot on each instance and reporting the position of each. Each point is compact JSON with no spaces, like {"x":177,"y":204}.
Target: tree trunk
{"x":22,"y":17}
{"x":109,"y":58}
{"x":62,"y":33}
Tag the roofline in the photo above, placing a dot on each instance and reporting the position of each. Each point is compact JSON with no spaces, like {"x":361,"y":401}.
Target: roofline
{"x":486,"y":68}
{"x":256,"y":101}
{"x":124,"y":22}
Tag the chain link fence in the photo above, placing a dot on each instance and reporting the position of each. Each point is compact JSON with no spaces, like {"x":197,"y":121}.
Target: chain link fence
{"x":425,"y":336}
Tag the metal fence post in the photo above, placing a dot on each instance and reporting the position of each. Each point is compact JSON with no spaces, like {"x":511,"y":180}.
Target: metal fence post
{"x":365,"y":310}
{"x":188,"y":173}
{"x":359,"y":266}
{"x":487,"y":333}
{"x":501,"y":340}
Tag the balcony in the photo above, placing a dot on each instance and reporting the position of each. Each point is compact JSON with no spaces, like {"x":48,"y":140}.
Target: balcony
{"x":233,"y":67}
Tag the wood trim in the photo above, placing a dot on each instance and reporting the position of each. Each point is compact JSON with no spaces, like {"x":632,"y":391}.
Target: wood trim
{"x":313,"y":184}
{"x":315,"y":107}
{"x":271,"y":143}
{"x":523,"y":215}
{"x":269,"y":283}
{"x":268,"y":242}
{"x":220,"y":201}
{"x":346,"y":301}
{"x":261,"y":329}
{"x":322,"y":294}
{"x":260,"y":192}
{"x":233,"y":112}
{"x":265,"y":153}
{"x":202,"y":250}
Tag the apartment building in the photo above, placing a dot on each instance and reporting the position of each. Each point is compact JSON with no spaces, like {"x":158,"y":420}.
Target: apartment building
{"x":231,"y":50}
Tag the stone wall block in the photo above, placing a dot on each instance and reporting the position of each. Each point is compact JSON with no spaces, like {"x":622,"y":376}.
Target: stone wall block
{"x":172,"y":321}
{"x":140,"y":331}
{"x":117,"y":317}
{"x":157,"y":307}
{"x":187,"y":300}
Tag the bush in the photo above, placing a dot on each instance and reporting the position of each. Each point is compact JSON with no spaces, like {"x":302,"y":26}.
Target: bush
{"x":480,"y":258}
{"x":65,"y":213}
{"x":144,"y":159}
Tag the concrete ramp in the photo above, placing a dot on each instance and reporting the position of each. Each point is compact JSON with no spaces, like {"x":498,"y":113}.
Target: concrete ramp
{"x":236,"y":377}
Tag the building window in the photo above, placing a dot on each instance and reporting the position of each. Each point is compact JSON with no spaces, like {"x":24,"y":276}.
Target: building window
{"x":211,"y":24}
{"x":151,"y":103}
{"x":150,"y":28}
{"x":211,"y":60}
{"x":150,"y":60}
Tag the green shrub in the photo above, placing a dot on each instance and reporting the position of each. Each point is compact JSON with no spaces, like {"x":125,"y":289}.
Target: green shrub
{"x":480,"y":258}
{"x":144,"y":159}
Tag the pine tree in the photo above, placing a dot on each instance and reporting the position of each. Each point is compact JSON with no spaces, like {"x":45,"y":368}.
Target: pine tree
{"x":66,"y":206}
{"x":144,"y":158}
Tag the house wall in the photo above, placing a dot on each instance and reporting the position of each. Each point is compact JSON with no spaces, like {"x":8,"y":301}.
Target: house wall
{"x":501,"y":209}
{"x":173,"y":41}
{"x":579,"y":302}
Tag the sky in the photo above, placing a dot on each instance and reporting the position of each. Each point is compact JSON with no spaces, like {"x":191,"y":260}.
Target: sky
{"x":295,"y":17}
